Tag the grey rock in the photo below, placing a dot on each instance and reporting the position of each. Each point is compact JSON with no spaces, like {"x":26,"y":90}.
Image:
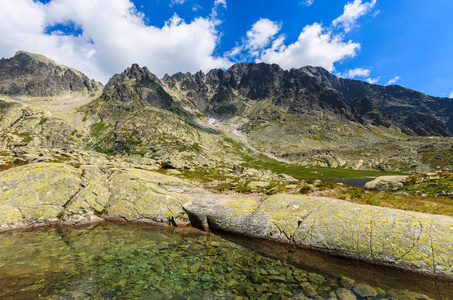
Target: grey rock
{"x":385,"y":183}
{"x":364,"y":290}
{"x":344,"y":294}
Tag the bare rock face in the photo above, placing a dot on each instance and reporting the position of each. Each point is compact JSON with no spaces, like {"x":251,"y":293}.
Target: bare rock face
{"x":37,"y":76}
{"x":311,"y":91}
{"x":411,"y":108}
{"x":137,"y":84}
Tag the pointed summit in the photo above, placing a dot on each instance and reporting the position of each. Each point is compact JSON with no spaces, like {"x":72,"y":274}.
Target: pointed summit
{"x":136,"y":84}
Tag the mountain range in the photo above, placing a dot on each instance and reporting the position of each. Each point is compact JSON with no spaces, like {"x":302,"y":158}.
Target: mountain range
{"x":304,"y":116}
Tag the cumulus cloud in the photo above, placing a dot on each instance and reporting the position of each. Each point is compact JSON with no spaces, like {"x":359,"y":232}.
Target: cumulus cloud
{"x":373,"y":80}
{"x":451,"y":95}
{"x":393,"y":80}
{"x":357,"y":72}
{"x":261,"y":34}
{"x":314,"y":46}
{"x":352,"y":11}
{"x":114,"y":35}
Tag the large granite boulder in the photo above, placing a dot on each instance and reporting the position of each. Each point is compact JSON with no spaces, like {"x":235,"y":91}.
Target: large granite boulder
{"x":406,"y":239}
{"x":385,"y":183}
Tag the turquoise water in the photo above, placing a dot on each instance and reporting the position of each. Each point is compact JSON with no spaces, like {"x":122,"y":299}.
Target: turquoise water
{"x":112,"y":261}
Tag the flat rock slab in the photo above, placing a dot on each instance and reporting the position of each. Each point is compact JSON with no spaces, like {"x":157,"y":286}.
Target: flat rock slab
{"x":407,"y":239}
{"x":42,"y":193}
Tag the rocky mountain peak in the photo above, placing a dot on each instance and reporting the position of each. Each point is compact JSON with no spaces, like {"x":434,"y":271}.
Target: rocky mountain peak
{"x":35,"y":75}
{"x":136,"y":84}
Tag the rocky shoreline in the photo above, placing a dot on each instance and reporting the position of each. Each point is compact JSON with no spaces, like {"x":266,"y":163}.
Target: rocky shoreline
{"x":54,"y":194}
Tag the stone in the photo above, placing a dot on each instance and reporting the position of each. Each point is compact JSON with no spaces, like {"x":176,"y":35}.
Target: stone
{"x":287,"y":178}
{"x":364,"y":290}
{"x":316,"y":279}
{"x":195,"y":267}
{"x":309,"y":289}
{"x":344,"y":294}
{"x":385,"y":183}
{"x":174,"y":172}
{"x":257,"y":184}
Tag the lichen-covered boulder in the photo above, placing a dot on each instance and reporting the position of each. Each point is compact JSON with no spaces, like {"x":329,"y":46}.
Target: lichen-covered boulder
{"x":49,"y":193}
{"x":139,"y":195}
{"x":385,"y":183}
{"x":36,"y":192}
{"x":408,"y":239}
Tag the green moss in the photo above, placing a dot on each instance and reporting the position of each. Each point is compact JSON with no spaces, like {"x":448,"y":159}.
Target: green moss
{"x":26,"y":138}
{"x":140,"y":152}
{"x":433,"y":205}
{"x":230,"y":143}
{"x":96,"y":128}
{"x":43,"y":120}
{"x":305,"y":189}
{"x":306,"y":172}
{"x":100,"y":149}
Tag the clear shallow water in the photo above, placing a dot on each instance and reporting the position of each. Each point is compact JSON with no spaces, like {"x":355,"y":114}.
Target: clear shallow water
{"x":132,"y":262}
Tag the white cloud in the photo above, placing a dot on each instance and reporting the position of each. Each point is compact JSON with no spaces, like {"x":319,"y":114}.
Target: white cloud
{"x":114,"y":36}
{"x":220,"y":2}
{"x":261,"y":34}
{"x":451,"y":95}
{"x":215,"y":13}
{"x":315,"y":46}
{"x":173,"y":2}
{"x":373,"y":80}
{"x":357,"y":72}
{"x":393,"y":80}
{"x":307,"y":2}
{"x":197,"y":7}
{"x":352,"y":11}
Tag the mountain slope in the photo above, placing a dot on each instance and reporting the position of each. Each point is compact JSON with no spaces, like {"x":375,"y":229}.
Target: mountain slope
{"x":393,"y":100}
{"x":35,"y":75}
{"x":135,"y":115}
{"x":225,"y":118}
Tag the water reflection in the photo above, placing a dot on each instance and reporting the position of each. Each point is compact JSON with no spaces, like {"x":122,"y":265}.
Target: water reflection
{"x":131,"y":262}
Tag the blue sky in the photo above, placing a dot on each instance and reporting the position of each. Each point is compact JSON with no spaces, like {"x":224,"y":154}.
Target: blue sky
{"x":405,"y":42}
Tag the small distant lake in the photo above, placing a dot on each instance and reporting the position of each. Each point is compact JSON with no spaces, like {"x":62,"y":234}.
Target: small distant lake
{"x":112,"y":261}
{"x":355,"y":182}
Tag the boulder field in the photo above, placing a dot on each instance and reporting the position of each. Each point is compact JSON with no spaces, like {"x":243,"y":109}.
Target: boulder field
{"x":42,"y":194}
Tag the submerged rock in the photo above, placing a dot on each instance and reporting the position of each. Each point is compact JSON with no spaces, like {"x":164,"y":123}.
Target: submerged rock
{"x":364,"y":290}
